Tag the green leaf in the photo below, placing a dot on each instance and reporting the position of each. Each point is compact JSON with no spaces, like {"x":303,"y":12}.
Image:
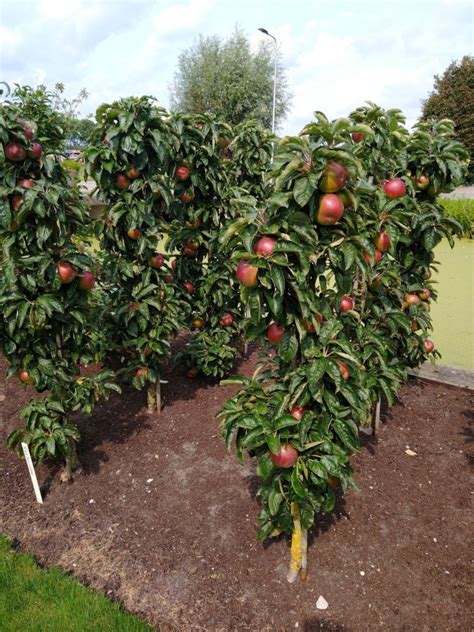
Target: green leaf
{"x":274,"y":501}
{"x":288,"y":346}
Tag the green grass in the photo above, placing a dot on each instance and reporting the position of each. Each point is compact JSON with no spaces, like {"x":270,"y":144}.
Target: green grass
{"x":33,"y":599}
{"x":463,"y":211}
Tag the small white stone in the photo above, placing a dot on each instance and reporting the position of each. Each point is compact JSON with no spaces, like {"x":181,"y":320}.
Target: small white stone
{"x":91,"y":501}
{"x":362,"y":573}
{"x":321,"y":604}
{"x":149,"y":480}
{"x":435,"y":540}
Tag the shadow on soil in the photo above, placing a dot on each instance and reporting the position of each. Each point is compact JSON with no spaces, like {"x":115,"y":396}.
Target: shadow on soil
{"x":468,"y":434}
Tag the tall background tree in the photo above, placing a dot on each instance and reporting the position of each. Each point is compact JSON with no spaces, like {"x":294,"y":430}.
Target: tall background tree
{"x":453,"y":97}
{"x":227,"y":79}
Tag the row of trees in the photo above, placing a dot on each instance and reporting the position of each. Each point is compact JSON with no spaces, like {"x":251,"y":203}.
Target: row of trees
{"x":331,"y":245}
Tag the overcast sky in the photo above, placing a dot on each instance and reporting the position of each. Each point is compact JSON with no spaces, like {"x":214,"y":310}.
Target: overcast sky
{"x":337,"y":53}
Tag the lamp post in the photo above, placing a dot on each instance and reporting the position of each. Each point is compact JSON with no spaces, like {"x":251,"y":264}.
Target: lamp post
{"x":274,"y":75}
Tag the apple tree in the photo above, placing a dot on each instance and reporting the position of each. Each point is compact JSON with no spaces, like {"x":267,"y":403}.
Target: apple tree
{"x":47,"y":323}
{"x":334,"y":269}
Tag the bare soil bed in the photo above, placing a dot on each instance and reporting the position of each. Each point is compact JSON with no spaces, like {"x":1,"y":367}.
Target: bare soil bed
{"x":164,"y":519}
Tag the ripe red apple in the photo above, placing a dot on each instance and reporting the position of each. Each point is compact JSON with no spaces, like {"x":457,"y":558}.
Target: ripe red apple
{"x":87,"y":280}
{"x":189,"y":287}
{"x":24,"y":376}
{"x":394,"y":188}
{"x":427,"y":275}
{"x":383,"y":242}
{"x":132,"y":174}
{"x":189,"y":252}
{"x":425,"y":294}
{"x":36,"y":151}
{"x":190,"y":243}
{"x":334,"y":177}
{"x":285,"y":457}
{"x":411,"y":299}
{"x":275,"y":333}
{"x":169,"y":278}
{"x":422,"y":182}
{"x":346,"y":304}
{"x":15,"y":152}
{"x":122,"y":181}
{"x":141,"y":373}
{"x":330,"y":209}
{"x":247,"y":273}
{"x":26,"y":183}
{"x":134,"y":233}
{"x":226,"y":320}
{"x":191,"y":373}
{"x":182,"y":173}
{"x":357,"y":137}
{"x":156,"y":261}
{"x":343,"y":369}
{"x":132,"y":307}
{"x":66,"y":272}
{"x":198,"y":323}
{"x":377,"y":256}
{"x":186,"y":197}
{"x":297,"y":412}
{"x":27,"y":126}
{"x":264,"y":247}
{"x":428,"y":345}
{"x":16,"y":201}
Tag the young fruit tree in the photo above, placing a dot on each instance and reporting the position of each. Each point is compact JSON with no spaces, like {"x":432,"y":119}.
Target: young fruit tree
{"x":335,"y":270}
{"x":47,"y":322}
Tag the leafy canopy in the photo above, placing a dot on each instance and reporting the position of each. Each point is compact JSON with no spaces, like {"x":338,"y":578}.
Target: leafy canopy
{"x":453,"y":97}
{"x":227,"y":79}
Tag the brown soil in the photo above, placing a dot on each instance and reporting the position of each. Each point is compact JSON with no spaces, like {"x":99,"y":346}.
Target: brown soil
{"x":163,"y":519}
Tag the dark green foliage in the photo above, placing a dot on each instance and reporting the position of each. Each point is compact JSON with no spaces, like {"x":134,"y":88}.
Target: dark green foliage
{"x":453,"y":98}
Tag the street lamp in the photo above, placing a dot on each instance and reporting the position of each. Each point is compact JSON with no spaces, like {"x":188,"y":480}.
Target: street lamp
{"x":274,"y":76}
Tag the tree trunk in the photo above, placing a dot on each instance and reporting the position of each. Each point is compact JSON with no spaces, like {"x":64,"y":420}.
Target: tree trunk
{"x":154,"y":398}
{"x":72,"y":462}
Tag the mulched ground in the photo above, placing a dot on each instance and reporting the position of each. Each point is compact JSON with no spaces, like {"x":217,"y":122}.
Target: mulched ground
{"x":163,"y":519}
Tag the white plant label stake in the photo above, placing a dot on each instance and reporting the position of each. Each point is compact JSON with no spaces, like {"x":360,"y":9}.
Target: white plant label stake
{"x":31,"y":470}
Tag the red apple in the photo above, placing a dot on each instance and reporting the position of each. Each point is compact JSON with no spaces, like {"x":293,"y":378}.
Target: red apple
{"x":189,"y":287}
{"x":36,"y":151}
{"x":15,"y":152}
{"x":264,"y":247}
{"x":191,"y":373}
{"x":189,"y":252}
{"x":16,"y":201}
{"x":190,"y":243}
{"x":308,"y":325}
{"x":122,"y":181}
{"x":285,"y":457}
{"x":330,"y":210}
{"x":141,"y":373}
{"x":132,"y":174}
{"x":186,"y":197}
{"x":394,"y":188}
{"x":422,"y":182}
{"x":346,"y":304}
{"x":169,"y":278}
{"x":377,"y":256}
{"x":425,"y":294}
{"x":156,"y":261}
{"x":428,"y":345}
{"x":182,"y":173}
{"x":174,"y":264}
{"x":297,"y":412}
{"x":357,"y":137}
{"x":343,"y":369}
{"x":411,"y":299}
{"x":226,"y":320}
{"x":134,"y":233}
{"x":26,"y":183}
{"x":247,"y":273}
{"x":28,"y":128}
{"x":24,"y":376}
{"x":383,"y":242}
{"x":87,"y":280}
{"x":334,"y":177}
{"x":275,"y":333}
{"x":66,"y":272}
